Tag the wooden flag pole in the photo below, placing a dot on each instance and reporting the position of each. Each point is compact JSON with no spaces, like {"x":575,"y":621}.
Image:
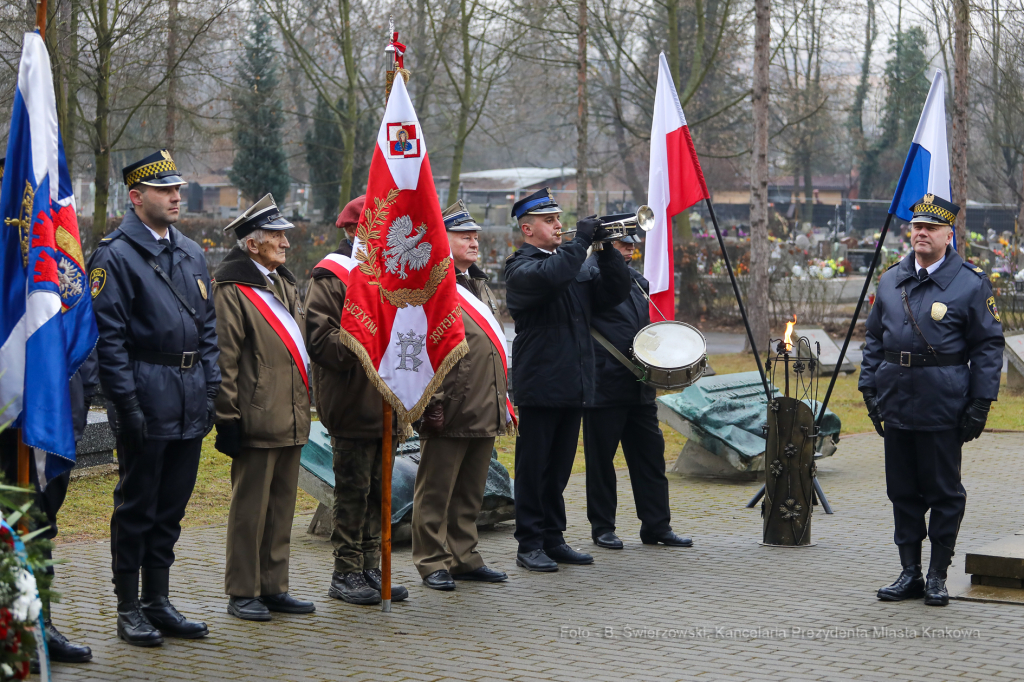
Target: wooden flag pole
{"x":385,"y":512}
{"x":41,"y":17}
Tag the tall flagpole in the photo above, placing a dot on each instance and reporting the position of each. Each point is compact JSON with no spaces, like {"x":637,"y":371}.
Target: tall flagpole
{"x":391,"y":65}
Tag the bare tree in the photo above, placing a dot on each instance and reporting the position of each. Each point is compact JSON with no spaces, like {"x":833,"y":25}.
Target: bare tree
{"x":961,"y":59}
{"x":759,"y":257}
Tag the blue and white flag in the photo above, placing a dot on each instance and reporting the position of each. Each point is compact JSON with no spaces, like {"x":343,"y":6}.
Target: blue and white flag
{"x":926,"y":170}
{"x":47,"y":328}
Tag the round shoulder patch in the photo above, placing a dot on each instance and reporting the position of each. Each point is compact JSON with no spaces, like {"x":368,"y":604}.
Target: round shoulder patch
{"x":990,"y":303}
{"x":97,"y":278}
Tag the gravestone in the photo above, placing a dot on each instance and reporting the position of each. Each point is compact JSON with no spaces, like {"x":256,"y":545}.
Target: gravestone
{"x":316,"y":477}
{"x":829,"y":350}
{"x":1014,"y":353}
{"x":97,"y":444}
{"x":997,"y":572}
{"x":722,"y":418}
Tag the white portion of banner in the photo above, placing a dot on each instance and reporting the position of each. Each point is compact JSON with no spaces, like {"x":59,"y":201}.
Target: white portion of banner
{"x":346,"y":262}
{"x":667,"y":117}
{"x":36,"y":85}
{"x":403,"y":163}
{"x":931,"y":135}
{"x":405,"y":366}
{"x":478,"y":305}
{"x":12,"y":372}
{"x":286,"y":320}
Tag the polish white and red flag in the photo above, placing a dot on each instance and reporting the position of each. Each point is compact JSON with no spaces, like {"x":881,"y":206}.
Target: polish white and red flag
{"x":676,"y":183}
{"x":402,"y":316}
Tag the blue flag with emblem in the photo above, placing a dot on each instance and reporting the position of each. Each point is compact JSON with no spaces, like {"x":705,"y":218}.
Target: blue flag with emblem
{"x":47,"y":329}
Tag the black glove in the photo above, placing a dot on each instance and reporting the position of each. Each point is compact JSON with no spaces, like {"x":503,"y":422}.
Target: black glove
{"x":131,"y":423}
{"x":433,"y":419}
{"x":586,"y":228}
{"x":211,"y":414}
{"x":972,"y":422}
{"x":229,"y":437}
{"x":871,"y":400}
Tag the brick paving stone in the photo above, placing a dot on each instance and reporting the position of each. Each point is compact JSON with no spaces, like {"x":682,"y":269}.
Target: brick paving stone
{"x":673,"y":614}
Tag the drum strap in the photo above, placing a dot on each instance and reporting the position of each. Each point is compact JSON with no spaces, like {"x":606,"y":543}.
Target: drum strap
{"x":638,"y":372}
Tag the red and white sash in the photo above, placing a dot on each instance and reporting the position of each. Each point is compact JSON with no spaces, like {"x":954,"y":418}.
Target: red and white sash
{"x":339,"y":265}
{"x":483,"y":316}
{"x":282,"y":322}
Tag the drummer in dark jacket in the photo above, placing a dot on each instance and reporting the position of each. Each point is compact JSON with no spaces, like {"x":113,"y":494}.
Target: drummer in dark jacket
{"x":931,"y":369}
{"x":551,"y":296}
{"x":624,"y":410}
{"x":157,"y":355}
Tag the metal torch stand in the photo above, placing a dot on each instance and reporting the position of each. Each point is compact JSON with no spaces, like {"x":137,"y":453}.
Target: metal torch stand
{"x":789,"y":474}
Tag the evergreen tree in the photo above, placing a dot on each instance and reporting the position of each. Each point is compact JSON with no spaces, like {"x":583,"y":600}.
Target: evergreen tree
{"x":906,"y":86}
{"x":324,"y":147}
{"x":259,"y":166}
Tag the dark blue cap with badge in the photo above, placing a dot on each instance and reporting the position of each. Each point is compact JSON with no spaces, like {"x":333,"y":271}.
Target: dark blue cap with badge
{"x":263,"y":215}
{"x":457,"y":219}
{"x":155,"y":170}
{"x":538,"y":203}
{"x":936,"y":210}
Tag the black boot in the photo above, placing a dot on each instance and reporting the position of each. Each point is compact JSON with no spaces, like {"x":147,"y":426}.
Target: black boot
{"x":910,"y":584}
{"x":159,"y":610}
{"x":63,"y":651}
{"x":132,"y":625}
{"x":935,"y":593}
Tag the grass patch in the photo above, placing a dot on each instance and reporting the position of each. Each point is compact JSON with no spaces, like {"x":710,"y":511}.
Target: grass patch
{"x":86,"y":513}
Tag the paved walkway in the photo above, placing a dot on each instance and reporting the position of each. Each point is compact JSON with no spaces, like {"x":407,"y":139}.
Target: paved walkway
{"x":726,"y":609}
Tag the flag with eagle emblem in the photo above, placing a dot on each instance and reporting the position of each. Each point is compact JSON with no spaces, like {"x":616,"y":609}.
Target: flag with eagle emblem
{"x":402,"y":316}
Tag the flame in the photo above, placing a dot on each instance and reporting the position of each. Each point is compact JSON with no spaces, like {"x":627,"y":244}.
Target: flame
{"x":787,"y":339}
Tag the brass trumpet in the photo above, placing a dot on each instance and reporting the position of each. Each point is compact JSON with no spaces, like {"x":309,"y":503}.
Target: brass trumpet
{"x":643,"y":219}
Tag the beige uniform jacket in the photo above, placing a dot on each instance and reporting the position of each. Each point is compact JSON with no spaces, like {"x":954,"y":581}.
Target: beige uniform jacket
{"x":472,"y":395}
{"x":260,"y":382}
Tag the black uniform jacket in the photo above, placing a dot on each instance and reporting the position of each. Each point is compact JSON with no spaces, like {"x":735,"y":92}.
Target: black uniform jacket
{"x":135,"y":309}
{"x":932,"y":398}
{"x":614,"y":384}
{"x":550,"y":297}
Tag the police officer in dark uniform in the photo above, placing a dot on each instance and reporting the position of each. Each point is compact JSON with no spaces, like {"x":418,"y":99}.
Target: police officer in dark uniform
{"x":931,"y":370}
{"x":550,"y":296}
{"x":158,"y":367}
{"x":624,"y":410}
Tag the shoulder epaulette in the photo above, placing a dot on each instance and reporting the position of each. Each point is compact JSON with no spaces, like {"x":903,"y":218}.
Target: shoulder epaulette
{"x":892,"y":266}
{"x":975,"y":269}
{"x":116,"y":234}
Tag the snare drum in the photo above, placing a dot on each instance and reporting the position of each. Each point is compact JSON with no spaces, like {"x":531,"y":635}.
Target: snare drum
{"x":674,"y":354}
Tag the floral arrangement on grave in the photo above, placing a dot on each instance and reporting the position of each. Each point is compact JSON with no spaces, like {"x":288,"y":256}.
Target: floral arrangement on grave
{"x":21,"y":559}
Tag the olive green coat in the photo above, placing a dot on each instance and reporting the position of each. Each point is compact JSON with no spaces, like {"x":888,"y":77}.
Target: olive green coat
{"x":260,"y":382}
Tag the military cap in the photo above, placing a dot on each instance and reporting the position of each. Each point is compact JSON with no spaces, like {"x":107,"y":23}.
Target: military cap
{"x":457,"y":219}
{"x":933,"y":209}
{"x":538,"y":203}
{"x":155,"y":170}
{"x":350,"y":214}
{"x":263,"y":215}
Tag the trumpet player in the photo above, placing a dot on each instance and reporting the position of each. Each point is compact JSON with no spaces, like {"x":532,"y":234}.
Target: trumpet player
{"x":623,"y":410}
{"x":550,"y":296}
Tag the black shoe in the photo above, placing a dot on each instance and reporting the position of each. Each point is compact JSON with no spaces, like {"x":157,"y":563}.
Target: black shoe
{"x":398,"y":592}
{"x":161,"y":612}
{"x":564,"y":554}
{"x":248,"y":608}
{"x":910,"y":584}
{"x":667,"y":538}
{"x":608,"y":540}
{"x":482,"y":574}
{"x":132,"y":625}
{"x":536,"y":560}
{"x":935,"y":593}
{"x":285,"y":603}
{"x":352,"y":587}
{"x":63,"y":651}
{"x":440,"y":580}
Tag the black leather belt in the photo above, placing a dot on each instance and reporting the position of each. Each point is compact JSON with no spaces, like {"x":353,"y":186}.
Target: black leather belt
{"x":182,"y":360}
{"x":905,"y":359}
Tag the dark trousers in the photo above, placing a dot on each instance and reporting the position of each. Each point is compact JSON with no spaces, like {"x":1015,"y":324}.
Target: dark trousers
{"x":358,"y":466}
{"x":545,"y":451}
{"x":643,"y":445}
{"x":48,"y":501}
{"x":152,"y":491}
{"x":922,"y":472}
